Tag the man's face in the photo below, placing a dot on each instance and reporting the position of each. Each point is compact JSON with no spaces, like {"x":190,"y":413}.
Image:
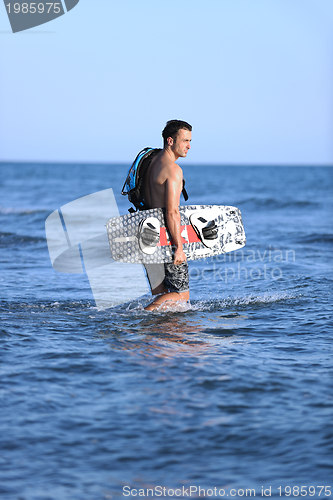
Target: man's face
{"x":182,"y":143}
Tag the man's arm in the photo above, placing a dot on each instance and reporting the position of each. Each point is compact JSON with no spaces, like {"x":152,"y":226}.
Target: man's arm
{"x":174,"y":185}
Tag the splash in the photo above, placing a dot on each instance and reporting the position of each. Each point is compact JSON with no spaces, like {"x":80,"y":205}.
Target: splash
{"x":264,"y":298}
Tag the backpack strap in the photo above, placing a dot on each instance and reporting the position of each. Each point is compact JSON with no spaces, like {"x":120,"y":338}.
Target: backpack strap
{"x":184,"y":191}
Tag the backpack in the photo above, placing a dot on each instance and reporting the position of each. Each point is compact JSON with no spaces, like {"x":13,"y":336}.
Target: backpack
{"x":135,"y":176}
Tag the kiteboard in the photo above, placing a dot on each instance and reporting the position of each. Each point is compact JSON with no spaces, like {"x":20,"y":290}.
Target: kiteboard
{"x":206,"y":230}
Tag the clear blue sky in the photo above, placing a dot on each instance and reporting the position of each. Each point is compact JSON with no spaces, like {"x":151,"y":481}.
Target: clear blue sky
{"x":253,"y":77}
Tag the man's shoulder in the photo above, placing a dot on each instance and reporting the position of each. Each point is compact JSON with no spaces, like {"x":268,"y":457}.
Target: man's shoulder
{"x":163,"y":160}
{"x":172,"y":171}
{"x":172,"y":166}
{"x":176,"y":170}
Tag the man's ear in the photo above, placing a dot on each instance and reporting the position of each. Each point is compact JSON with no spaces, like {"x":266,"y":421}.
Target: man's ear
{"x":170,"y":141}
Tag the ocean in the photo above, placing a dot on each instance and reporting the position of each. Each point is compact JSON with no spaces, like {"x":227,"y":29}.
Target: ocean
{"x":232,"y":397}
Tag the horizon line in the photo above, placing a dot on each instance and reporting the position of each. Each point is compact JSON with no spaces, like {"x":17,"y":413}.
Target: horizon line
{"x":123,"y":163}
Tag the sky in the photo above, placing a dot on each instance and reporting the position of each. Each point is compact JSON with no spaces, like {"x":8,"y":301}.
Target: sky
{"x":253,"y":77}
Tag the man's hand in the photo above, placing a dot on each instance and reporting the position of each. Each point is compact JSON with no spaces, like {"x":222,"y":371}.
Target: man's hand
{"x":179,"y":256}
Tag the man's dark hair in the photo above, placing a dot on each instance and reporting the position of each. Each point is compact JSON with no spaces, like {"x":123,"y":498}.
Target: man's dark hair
{"x":172,"y":127}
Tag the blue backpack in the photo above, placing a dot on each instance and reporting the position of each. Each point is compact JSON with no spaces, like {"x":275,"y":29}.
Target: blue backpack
{"x":135,"y":176}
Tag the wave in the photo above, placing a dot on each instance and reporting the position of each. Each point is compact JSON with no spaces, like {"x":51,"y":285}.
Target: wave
{"x":23,"y":211}
{"x":316,"y":238}
{"x":248,"y":300}
{"x":136,"y":308}
{"x":9,"y":239}
{"x":279,"y":203}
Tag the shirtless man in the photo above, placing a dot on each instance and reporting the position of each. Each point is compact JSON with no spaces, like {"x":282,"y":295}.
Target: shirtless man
{"x":162,"y":188}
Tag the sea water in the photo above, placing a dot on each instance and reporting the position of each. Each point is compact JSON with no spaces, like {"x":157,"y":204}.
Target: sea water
{"x":232,"y":394}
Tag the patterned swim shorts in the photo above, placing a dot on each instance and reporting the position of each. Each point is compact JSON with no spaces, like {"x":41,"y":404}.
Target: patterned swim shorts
{"x":176,"y":277}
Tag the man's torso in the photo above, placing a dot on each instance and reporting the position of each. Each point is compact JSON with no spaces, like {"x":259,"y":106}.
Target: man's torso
{"x":154,"y":186}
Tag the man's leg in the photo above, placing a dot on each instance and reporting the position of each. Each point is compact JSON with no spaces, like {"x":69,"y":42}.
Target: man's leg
{"x":155,"y":274}
{"x":176,"y":286}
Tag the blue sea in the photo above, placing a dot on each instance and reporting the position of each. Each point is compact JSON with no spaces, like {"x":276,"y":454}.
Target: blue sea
{"x":232,"y":397}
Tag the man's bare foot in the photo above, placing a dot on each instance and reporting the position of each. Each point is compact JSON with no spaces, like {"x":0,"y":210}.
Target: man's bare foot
{"x":170,"y":298}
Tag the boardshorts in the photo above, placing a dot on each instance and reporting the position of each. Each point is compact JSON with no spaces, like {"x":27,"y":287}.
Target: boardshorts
{"x":176,"y":277}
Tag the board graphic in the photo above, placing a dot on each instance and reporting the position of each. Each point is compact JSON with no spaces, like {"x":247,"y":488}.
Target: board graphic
{"x":206,"y":230}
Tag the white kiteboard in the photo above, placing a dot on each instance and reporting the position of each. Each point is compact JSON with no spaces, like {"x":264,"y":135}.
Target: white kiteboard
{"x":206,"y":230}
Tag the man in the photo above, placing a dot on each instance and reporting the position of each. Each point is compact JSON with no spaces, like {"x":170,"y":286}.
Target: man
{"x":163,"y":185}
